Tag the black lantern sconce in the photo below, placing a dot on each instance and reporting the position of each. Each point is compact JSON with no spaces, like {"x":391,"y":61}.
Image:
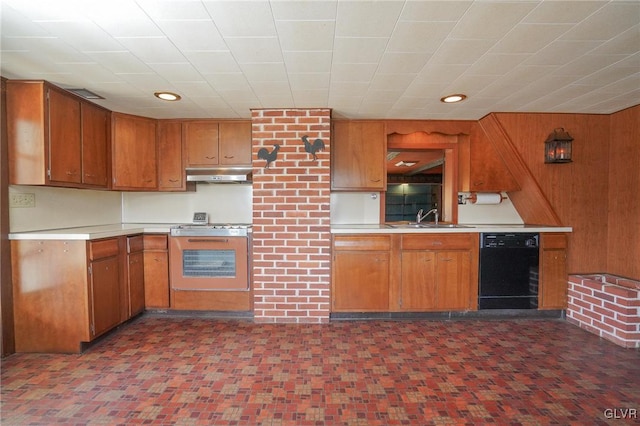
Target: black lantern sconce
{"x":557,"y":147}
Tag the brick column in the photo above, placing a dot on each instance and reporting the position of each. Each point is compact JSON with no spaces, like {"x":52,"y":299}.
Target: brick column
{"x":291,"y":222}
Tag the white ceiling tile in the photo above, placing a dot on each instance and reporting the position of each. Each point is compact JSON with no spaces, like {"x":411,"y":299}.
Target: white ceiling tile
{"x":273,"y":89}
{"x":419,"y":36}
{"x":490,"y":20}
{"x":226,"y":82}
{"x":588,"y":64}
{"x":402,"y":63}
{"x":300,"y":62}
{"x":310,"y":98}
{"x":496,"y":64}
{"x":265,"y":72}
{"x":562,"y":12}
{"x":529,"y":38}
{"x":207,"y":62}
{"x":84,"y":35}
{"x":309,"y":81}
{"x":433,"y":11}
{"x":397,"y":83}
{"x":152,"y":49}
{"x":434,"y":73}
{"x":306,"y":35}
{"x":460,"y":52}
{"x":119,"y":62}
{"x":176,"y":71}
{"x":348,"y":88}
{"x":304,"y":10}
{"x":367,"y":18}
{"x":174,"y":9}
{"x":352,"y":50}
{"x":196,"y":89}
{"x":193,"y":35}
{"x":352,"y":72}
{"x":15,"y":24}
{"x":627,"y":42}
{"x":242,"y":19}
{"x":561,"y":52}
{"x":608,"y":22}
{"x":251,"y":50}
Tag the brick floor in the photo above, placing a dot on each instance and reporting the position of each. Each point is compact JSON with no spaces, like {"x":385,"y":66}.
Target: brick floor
{"x":198,"y":371}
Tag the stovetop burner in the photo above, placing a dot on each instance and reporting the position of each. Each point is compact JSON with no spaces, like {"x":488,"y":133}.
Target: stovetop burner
{"x":211,"y":229}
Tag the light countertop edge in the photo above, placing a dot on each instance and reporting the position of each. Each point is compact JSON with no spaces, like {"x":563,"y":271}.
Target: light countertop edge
{"x":496,"y":228}
{"x":93,"y":232}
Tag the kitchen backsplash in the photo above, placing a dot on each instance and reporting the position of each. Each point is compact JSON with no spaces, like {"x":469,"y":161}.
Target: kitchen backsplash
{"x":63,"y":208}
{"x":225,"y":203}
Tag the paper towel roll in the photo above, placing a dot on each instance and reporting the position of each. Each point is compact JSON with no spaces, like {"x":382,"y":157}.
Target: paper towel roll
{"x":486,"y":198}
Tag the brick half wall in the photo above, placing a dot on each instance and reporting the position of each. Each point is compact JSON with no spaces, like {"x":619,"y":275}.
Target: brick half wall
{"x":291,"y":216}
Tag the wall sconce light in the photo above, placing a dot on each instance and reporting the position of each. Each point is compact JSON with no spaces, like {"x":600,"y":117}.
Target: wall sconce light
{"x":557,"y":147}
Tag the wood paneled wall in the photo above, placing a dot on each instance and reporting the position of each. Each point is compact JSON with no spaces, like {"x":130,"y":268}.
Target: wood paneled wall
{"x":579,"y":191}
{"x":623,"y":246}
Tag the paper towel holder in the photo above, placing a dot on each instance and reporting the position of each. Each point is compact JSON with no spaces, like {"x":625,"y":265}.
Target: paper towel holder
{"x":484,"y":198}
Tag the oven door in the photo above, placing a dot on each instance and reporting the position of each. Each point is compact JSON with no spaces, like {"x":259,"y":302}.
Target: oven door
{"x":209,"y":263}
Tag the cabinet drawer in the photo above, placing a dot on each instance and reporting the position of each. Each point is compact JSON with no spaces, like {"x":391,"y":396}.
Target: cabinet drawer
{"x":155,"y":242}
{"x":134,"y":244}
{"x":437,"y":241}
{"x":368,"y":242}
{"x":554,"y":241}
{"x":103,"y":248}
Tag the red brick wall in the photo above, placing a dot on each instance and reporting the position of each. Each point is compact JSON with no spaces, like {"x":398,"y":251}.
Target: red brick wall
{"x":291,"y":222}
{"x":607,"y":306}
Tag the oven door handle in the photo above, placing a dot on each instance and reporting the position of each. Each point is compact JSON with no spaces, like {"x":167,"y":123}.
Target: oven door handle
{"x":208,"y":240}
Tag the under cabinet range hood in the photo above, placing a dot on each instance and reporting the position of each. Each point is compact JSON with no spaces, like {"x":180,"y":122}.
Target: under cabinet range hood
{"x":220,"y":174}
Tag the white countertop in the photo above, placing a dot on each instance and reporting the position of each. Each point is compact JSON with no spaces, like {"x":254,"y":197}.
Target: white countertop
{"x":118,"y":229}
{"x":385,"y":229}
{"x":93,"y":232}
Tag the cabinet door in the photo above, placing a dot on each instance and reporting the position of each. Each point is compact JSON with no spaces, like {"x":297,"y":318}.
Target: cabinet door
{"x":95,"y":145}
{"x":452,"y":274}
{"x":235,"y":143}
{"x":553,"y":272}
{"x":418,"y":285}
{"x":358,"y":156}
{"x":136,"y":283}
{"x":170,"y":168}
{"x":64,"y":138}
{"x":105,"y":294}
{"x":201,"y":143}
{"x":361,"y":281}
{"x":156,"y":275}
{"x":134,"y":152}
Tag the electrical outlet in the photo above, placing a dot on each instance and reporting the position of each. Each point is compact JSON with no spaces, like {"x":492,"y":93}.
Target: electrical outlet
{"x":22,"y":200}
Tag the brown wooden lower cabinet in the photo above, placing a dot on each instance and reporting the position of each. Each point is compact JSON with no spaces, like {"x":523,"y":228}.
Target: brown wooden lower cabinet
{"x":68,"y":292}
{"x":404,"y":272}
{"x":156,"y":271}
{"x":553,"y":271}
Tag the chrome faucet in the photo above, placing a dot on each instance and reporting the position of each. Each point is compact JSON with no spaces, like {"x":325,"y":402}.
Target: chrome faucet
{"x":420,"y":217}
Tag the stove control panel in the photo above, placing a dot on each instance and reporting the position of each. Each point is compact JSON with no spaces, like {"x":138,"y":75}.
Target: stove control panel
{"x":200,"y":218}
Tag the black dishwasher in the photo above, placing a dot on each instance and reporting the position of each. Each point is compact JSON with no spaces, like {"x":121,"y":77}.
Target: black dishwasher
{"x":508,"y":276}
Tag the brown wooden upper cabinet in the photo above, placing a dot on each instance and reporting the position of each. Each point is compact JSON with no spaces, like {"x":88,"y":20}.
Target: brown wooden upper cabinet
{"x":214,"y":143}
{"x":481,"y":166}
{"x":133,"y":145}
{"x":358,"y":156}
{"x":55,"y":137}
{"x":171,"y":176}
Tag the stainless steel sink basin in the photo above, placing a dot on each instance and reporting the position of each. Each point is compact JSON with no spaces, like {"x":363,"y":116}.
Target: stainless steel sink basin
{"x":443,"y":225}
{"x":406,"y":225}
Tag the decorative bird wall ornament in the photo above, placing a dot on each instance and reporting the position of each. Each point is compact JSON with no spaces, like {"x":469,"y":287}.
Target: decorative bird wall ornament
{"x":312,"y":148}
{"x":264,"y":154}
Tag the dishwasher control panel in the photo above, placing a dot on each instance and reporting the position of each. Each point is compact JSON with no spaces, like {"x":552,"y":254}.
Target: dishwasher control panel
{"x":509,"y":240}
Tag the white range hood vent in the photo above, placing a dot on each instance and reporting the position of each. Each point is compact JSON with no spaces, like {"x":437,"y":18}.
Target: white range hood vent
{"x":220,"y":175}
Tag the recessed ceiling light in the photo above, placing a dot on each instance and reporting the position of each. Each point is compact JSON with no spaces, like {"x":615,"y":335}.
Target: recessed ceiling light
{"x":453,"y":98}
{"x":167,"y":96}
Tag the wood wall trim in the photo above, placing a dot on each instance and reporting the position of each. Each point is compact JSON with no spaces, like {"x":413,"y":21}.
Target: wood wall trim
{"x":530,"y":202}
{"x":7,"y":334}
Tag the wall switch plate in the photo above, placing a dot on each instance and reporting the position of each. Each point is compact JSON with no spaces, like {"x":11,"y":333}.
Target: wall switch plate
{"x":22,"y":200}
